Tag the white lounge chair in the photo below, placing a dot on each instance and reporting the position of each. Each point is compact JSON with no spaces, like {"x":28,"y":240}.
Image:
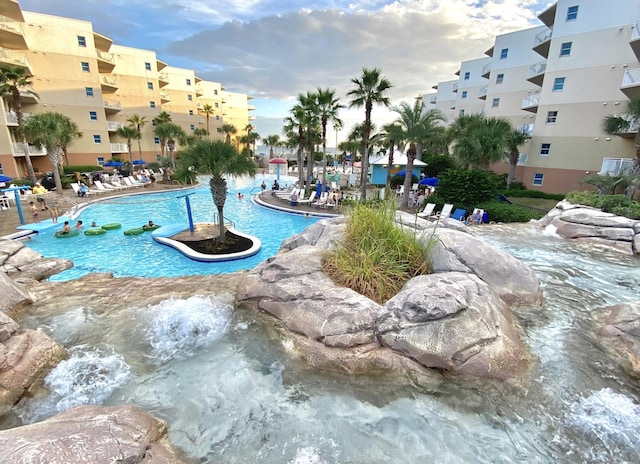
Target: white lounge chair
{"x":106,"y":187}
{"x":76,"y":188}
{"x":427,"y":212}
{"x":322,"y":201}
{"x":446,"y":211}
{"x":308,"y":201}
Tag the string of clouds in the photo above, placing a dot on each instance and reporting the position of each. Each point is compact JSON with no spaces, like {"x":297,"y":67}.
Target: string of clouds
{"x":275,"y":49}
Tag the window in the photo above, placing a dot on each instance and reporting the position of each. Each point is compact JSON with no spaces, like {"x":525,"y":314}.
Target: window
{"x":100,"y":160}
{"x":85,"y":66}
{"x":152,"y":104}
{"x":93,"y":115}
{"x":82,"y":41}
{"x":499,"y":78}
{"x":461,"y":113}
{"x":156,"y":140}
{"x":464,"y":94}
{"x":1,"y":170}
{"x":538,"y":178}
{"x":190,"y":97}
{"x":558,"y":84}
{"x":192,"y":126}
{"x":616,"y":166}
{"x":97,"y":138}
{"x":217,"y":117}
{"x":495,"y":103}
{"x":545,"y":148}
{"x":150,"y":85}
{"x":216,"y":104}
{"x":215,"y":91}
{"x":467,"y":75}
{"x":188,"y":81}
{"x":522,"y":159}
{"x":565,"y":49}
{"x":154,"y":123}
{"x":503,"y":53}
{"x":147,"y":66}
{"x":552,"y":116}
{"x":572,"y":13}
{"x":190,"y":112}
{"x":88,"y":91}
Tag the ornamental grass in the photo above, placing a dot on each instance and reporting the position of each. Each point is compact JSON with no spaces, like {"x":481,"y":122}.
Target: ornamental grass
{"x":376,"y":256}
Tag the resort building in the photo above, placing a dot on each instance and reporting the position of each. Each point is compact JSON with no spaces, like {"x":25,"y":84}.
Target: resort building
{"x":101,"y":86}
{"x":557,"y":82}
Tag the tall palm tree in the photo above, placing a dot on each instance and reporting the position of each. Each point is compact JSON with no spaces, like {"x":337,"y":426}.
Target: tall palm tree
{"x":217,"y":159}
{"x":12,"y":79}
{"x":628,"y":121}
{"x":138,"y":122}
{"x":168,"y":133}
{"x":417,"y":126}
{"x":480,"y":141}
{"x":207,"y":110}
{"x":369,"y":89}
{"x":128,"y":133}
{"x":327,"y":105}
{"x":54,"y":131}
{"x":228,"y":130}
{"x":272,"y":141}
{"x":162,"y":118}
{"x":514,"y":141}
{"x":393,"y":135}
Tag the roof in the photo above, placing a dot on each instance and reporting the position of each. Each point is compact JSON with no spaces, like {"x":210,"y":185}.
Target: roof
{"x":398,"y":158}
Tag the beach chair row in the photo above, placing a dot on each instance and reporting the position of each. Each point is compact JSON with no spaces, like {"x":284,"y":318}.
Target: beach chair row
{"x":477,"y":217}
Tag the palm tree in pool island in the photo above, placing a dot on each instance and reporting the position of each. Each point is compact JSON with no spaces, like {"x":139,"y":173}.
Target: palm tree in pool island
{"x":370,"y":88}
{"x":217,"y":159}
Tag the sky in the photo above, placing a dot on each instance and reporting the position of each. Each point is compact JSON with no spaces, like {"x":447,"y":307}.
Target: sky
{"x":275,"y":49}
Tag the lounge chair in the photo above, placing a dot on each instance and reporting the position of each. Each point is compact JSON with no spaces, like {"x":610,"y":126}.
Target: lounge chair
{"x":459,"y":214}
{"x":322,"y":201}
{"x":106,"y":187}
{"x":427,"y":212}
{"x":446,"y":211}
{"x":131,"y":182}
{"x":308,"y":200}
{"x":76,"y":188}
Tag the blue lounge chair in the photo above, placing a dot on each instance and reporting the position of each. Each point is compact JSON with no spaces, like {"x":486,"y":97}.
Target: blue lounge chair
{"x":459,"y":214}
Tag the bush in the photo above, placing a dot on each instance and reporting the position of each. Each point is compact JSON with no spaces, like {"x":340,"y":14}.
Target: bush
{"x":609,"y":202}
{"x":632,"y":211}
{"x":437,"y":164}
{"x":533,"y":194}
{"x":466,"y":188}
{"x":504,"y":212}
{"x":81,"y":168}
{"x":376,"y":257}
{"x":583,"y":198}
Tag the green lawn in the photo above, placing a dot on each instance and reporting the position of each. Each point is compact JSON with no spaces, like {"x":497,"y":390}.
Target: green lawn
{"x":535,"y":202}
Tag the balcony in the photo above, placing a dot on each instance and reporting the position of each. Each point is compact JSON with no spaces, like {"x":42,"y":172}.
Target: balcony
{"x":18,"y":150}
{"x":454,"y":88}
{"x":433,"y":99}
{"x":251,"y":108}
{"x":165,"y":97}
{"x":12,"y":118}
{"x":11,"y":34}
{"x":530,"y":103}
{"x":102,"y":42}
{"x":486,"y":70}
{"x":635,"y":39}
{"x":113,"y":126}
{"x":119,"y":148}
{"x":631,"y":131}
{"x":108,"y":84}
{"x":526,"y":129}
{"x":14,"y":58}
{"x":631,"y":83}
{"x":542,"y":42}
{"x":536,"y":73}
{"x":163,"y":79}
{"x":252,"y":118}
{"x":106,"y":61}
{"x":548,"y":16}
{"x":482,"y":93}
{"x":28,"y":96}
{"x":199,"y":91}
{"x":111,"y":106}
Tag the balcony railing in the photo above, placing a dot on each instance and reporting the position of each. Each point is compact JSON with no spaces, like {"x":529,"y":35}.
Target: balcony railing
{"x":113,"y":126}
{"x":12,"y":118}
{"x":112,"y":105}
{"x":526,"y":129}
{"x":542,"y":37}
{"x":538,"y":68}
{"x":18,"y":149}
{"x":455,"y":87}
{"x":531,"y":100}
{"x":119,"y":147}
{"x":14,"y":57}
{"x":108,"y":80}
{"x":433,"y":99}
{"x":108,"y":57}
{"x":482,"y":93}
{"x":635,"y":33}
{"x":486,"y":70}
{"x":631,"y":83}
{"x":10,"y":25}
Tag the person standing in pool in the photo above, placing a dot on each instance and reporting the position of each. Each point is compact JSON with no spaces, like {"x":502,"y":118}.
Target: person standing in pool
{"x":78,"y":225}
{"x":54,"y":210}
{"x":34,"y":211}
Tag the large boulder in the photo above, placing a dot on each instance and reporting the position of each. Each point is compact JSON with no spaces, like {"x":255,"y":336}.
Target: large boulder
{"x":26,"y":357}
{"x":11,"y":294}
{"x":617,"y":330}
{"x":91,"y":434}
{"x":24,"y":265}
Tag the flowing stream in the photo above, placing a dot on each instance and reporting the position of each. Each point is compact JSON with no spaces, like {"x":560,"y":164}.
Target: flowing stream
{"x":231,"y":391}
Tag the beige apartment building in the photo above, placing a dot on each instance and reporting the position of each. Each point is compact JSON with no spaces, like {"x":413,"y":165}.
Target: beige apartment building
{"x":100,"y":86}
{"x":557,"y":82}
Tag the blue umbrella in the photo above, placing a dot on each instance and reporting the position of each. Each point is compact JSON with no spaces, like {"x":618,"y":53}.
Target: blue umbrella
{"x":401,"y":173}
{"x":113,"y":164}
{"x":4,"y":178}
{"x":430,"y":181}
{"x":138,"y":161}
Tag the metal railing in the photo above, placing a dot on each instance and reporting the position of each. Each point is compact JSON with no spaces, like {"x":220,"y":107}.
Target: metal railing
{"x":538,"y":68}
{"x":114,"y":105}
{"x":107,"y":80}
{"x":526,"y":129}
{"x":635,"y":33}
{"x":108,"y":57}
{"x":18,"y":149}
{"x":114,"y":126}
{"x":483,"y":91}
{"x":531,"y":100}
{"x":10,"y":25}
{"x":11,"y":56}
{"x":119,"y":147}
{"x":631,"y":77}
{"x":542,"y":37}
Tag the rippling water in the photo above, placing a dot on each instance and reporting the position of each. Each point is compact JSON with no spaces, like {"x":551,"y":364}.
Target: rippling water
{"x":232,"y":392}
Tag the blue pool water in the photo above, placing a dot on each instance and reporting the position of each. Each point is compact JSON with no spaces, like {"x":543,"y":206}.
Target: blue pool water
{"x":141,"y":256}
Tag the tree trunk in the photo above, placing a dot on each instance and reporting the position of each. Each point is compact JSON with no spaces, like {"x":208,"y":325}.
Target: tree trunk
{"x":392,"y":147}
{"x":408,"y":178}
{"x":55,"y":159}
{"x":310,"y":163}
{"x":27,"y":159}
{"x":364,"y":164}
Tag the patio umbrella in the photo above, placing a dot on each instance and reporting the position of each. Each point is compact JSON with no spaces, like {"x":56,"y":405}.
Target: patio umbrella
{"x":430,"y":181}
{"x":278,"y":162}
{"x":402,"y":173}
{"x":138,"y":161}
{"x":110,"y":164}
{"x":4,"y":178}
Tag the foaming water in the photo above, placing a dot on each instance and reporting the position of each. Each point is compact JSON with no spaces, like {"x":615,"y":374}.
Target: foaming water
{"x":141,"y":256}
{"x":232,"y":389}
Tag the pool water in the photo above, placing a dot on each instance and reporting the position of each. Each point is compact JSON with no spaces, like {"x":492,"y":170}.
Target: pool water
{"x":141,"y":256}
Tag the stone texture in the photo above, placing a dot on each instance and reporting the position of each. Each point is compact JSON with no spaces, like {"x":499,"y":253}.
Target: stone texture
{"x":617,"y":329}
{"x":11,"y":294}
{"x":91,"y":434}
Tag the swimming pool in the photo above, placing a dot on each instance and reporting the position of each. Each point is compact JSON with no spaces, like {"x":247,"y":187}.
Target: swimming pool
{"x":141,"y":256}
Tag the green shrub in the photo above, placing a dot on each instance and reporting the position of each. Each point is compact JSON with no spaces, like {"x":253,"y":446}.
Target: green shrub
{"x":466,"y":188}
{"x":437,"y":164}
{"x":632,"y":211}
{"x":376,"y":257}
{"x":504,"y":212}
{"x":533,"y":194}
{"x":586,"y":198}
{"x":609,"y":202}
{"x":20,"y":182}
{"x":81,"y":168}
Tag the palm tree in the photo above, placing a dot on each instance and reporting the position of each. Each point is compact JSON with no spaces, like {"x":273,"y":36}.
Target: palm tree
{"x":626,"y":122}
{"x":168,"y":133}
{"x":272,"y":141}
{"x":207,"y":110}
{"x":417,"y":126}
{"x":12,"y":79}
{"x":327,"y":105}
{"x":370,"y":88}
{"x":138,"y":122}
{"x":53,"y":131}
{"x":392,"y":134}
{"x":228,"y":130}
{"x":128,"y":133}
{"x":515,"y":139}
{"x":480,"y":141}
{"x":217,"y":159}
{"x":162,"y":118}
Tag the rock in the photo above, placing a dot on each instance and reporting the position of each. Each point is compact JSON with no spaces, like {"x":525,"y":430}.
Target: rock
{"x":26,"y":357}
{"x":454,"y":321}
{"x":7,"y":328}
{"x":91,"y":434}
{"x":321,"y":233}
{"x":618,"y":331}
{"x":573,"y":230}
{"x":456,"y":251}
{"x":11,"y":294}
{"x":41,"y":269}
